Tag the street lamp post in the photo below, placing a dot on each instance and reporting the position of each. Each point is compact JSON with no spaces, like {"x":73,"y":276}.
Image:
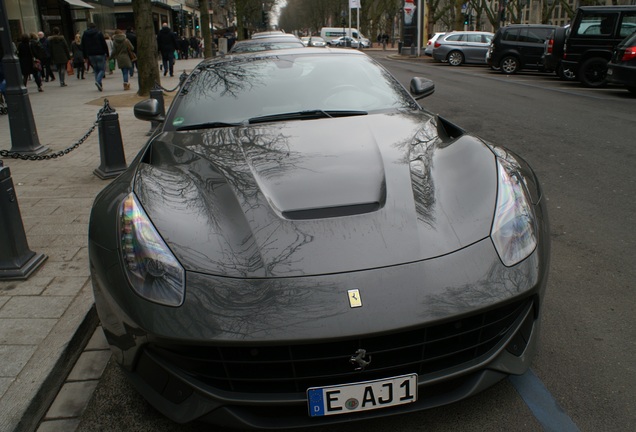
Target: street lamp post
{"x":24,"y":136}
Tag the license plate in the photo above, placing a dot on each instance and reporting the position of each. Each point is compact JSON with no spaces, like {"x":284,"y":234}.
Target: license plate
{"x":362,"y":396}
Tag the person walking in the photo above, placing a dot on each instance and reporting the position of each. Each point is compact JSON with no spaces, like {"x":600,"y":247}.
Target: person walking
{"x":26,"y":57}
{"x":167,"y":43}
{"x":95,"y":49}
{"x":78,"y":56}
{"x":111,"y":61}
{"x":46,"y":60}
{"x":60,"y":53}
{"x":132,"y":37}
{"x":122,"y":50}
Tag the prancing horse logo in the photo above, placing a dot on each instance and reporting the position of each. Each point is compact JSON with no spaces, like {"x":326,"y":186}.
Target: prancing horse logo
{"x":359,"y":359}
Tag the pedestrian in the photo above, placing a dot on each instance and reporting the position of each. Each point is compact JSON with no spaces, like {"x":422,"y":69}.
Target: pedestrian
{"x":132,"y":37}
{"x":46,"y":59}
{"x":95,"y":49}
{"x":194,"y":44}
{"x":111,"y":61}
{"x":27,"y":56}
{"x":184,"y":47}
{"x":122,"y":50}
{"x":167,"y":44}
{"x":78,"y":56}
{"x":60,"y":53}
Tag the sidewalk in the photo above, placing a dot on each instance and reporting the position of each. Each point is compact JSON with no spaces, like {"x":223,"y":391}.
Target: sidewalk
{"x":46,"y":320}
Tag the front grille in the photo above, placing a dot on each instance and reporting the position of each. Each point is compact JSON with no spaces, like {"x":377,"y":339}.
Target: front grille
{"x":294,"y":368}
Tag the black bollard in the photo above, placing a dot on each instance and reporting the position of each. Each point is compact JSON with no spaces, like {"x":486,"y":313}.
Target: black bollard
{"x":17,"y":261}
{"x":111,"y":147}
{"x":157,"y":93}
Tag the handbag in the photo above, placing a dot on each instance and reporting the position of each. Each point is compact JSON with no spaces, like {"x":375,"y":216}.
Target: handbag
{"x":37,"y":65}
{"x":69,"y":68}
{"x":131,"y":54}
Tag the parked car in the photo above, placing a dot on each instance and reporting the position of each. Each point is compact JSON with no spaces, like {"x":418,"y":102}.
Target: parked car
{"x":347,"y":41}
{"x":621,"y":69}
{"x":268,"y":34}
{"x":431,"y":44}
{"x":265,"y":44}
{"x":316,"y":41}
{"x":284,"y":250}
{"x":553,"y":54}
{"x":595,"y":33}
{"x":518,"y":46}
{"x":461,"y":47}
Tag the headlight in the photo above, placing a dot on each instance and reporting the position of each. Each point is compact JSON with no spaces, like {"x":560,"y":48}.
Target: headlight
{"x":152,"y":270}
{"x":513,"y":231}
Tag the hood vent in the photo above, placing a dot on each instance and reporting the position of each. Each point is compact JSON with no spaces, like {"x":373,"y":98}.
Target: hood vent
{"x":331,"y":212}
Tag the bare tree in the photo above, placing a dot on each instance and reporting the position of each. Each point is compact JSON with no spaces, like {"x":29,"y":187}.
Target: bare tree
{"x":206,"y":34}
{"x":148,"y":68}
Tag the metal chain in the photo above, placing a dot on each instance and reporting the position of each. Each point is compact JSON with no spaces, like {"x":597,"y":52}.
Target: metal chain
{"x":105,"y":109}
{"x":182,"y":79}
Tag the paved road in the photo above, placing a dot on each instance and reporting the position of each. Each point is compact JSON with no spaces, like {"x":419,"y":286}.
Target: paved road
{"x":581,"y":144}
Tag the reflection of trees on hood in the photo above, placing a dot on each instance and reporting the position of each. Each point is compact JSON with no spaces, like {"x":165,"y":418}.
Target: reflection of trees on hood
{"x":418,"y":153}
{"x":261,"y":307}
{"x":191,"y":178}
{"x":497,"y":285}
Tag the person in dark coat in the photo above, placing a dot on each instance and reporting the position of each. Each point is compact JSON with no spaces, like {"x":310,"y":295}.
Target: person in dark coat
{"x":184,"y":47}
{"x":26,"y":55}
{"x":95,"y":49}
{"x":78,"y":56}
{"x":167,"y":43}
{"x":132,"y":37}
{"x":47,"y":72}
{"x":60,"y":53}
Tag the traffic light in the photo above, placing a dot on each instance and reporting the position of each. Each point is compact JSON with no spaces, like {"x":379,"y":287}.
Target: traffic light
{"x":196,"y":23}
{"x":466,"y":19}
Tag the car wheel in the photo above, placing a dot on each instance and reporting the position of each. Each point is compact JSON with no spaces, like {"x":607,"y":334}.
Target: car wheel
{"x":509,"y":65}
{"x":593,"y":72}
{"x":565,"y":74}
{"x":455,"y":58}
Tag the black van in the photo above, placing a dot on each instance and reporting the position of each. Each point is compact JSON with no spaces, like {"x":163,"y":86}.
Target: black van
{"x":595,"y":32}
{"x":518,"y":46}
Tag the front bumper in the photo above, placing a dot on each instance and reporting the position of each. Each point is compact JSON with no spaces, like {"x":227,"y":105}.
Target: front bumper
{"x":189,"y":362}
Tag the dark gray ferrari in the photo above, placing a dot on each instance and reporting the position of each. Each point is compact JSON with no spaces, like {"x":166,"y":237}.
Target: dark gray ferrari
{"x":300,"y":243}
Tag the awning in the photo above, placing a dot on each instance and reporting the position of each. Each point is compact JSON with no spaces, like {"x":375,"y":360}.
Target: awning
{"x":78,"y":4}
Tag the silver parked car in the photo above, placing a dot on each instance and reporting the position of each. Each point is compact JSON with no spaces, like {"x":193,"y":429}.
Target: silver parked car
{"x":461,"y":47}
{"x":431,"y":44}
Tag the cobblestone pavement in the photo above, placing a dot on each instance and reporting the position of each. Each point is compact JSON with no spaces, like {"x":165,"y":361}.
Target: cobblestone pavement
{"x":48,"y":319}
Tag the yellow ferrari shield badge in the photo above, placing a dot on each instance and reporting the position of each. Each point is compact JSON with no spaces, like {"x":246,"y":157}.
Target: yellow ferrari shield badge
{"x":354,"y":298}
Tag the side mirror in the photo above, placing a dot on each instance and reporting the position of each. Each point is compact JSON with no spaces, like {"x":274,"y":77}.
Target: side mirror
{"x":148,"y":110}
{"x":422,"y":87}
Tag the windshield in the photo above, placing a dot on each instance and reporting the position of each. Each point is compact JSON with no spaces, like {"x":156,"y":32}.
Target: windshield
{"x":235,"y":90}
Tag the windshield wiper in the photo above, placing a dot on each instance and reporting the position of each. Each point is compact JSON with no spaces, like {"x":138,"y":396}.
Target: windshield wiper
{"x":305,"y":115}
{"x":208,"y":125}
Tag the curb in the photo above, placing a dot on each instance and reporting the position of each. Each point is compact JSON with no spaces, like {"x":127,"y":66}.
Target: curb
{"x":56,"y":356}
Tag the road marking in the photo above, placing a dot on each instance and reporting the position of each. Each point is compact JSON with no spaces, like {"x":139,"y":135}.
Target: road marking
{"x":542,"y":404}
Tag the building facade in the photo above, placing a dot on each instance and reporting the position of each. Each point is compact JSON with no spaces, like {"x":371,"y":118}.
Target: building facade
{"x":73,"y":16}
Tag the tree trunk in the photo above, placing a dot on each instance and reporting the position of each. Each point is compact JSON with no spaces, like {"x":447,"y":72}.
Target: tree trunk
{"x":208,"y":40}
{"x":147,"y":61}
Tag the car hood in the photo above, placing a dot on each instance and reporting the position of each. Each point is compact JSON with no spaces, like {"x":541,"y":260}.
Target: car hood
{"x":312,"y":197}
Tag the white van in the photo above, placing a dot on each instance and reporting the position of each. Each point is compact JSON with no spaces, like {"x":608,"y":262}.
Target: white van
{"x":329,"y":33}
